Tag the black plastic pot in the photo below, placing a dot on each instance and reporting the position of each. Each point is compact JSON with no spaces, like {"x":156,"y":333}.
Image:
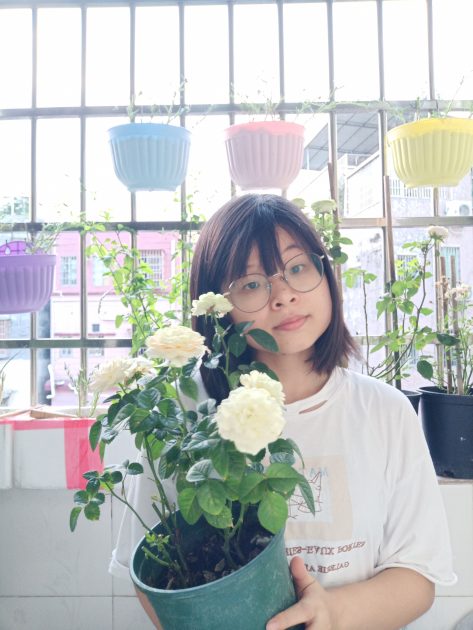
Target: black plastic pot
{"x":448,"y":426}
{"x":243,"y":600}
{"x":414,"y":398}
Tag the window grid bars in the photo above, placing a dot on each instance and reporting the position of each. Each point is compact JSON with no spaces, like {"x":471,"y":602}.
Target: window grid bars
{"x":33,"y":113}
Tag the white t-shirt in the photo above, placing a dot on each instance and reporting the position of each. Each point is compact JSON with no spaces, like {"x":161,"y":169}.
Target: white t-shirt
{"x":378,"y":503}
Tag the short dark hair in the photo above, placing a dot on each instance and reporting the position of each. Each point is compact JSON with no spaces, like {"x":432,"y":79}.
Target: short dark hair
{"x":222,"y":253}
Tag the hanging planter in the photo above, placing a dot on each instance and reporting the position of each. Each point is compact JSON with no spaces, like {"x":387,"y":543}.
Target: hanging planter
{"x":432,"y":151}
{"x":150,"y":156}
{"x":26,"y":279}
{"x":265,"y":154}
{"x":246,"y":598}
{"x":448,"y":428}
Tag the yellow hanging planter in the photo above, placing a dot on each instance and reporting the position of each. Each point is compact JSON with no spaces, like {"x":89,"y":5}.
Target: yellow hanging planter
{"x":432,"y":151}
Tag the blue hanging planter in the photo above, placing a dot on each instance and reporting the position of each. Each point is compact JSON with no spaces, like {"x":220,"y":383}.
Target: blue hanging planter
{"x":150,"y":156}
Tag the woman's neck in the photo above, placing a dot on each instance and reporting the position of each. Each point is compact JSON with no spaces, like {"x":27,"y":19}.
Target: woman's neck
{"x":296,"y":374}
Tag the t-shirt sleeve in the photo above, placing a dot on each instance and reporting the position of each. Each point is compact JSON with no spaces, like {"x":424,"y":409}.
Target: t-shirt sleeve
{"x":415,"y":534}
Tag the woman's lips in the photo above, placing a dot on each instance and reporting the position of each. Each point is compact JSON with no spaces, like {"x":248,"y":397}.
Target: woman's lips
{"x":292,"y":324}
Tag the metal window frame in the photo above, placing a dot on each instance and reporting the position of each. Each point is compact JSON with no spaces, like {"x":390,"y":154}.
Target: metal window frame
{"x":386,"y":222}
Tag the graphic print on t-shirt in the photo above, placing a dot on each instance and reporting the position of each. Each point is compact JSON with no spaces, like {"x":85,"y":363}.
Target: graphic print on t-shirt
{"x":333,"y":519}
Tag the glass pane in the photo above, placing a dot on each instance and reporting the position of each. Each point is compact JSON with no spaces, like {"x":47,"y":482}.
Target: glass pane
{"x":201,"y":84}
{"x":208,"y":177}
{"x":313,"y":182}
{"x":58,"y":169}
{"x":452,"y":49}
{"x":456,"y":201}
{"x":59,"y":57}
{"x":61,"y":316}
{"x":104,"y":192}
{"x":108,"y":56}
{"x":256,"y":53}
{"x":408,"y":17}
{"x":15,"y":164}
{"x":16,"y":55}
{"x":366,"y":254}
{"x":359,"y":167}
{"x":356,"y":56}
{"x":16,"y":387}
{"x":157,"y":54}
{"x":305,"y":47}
{"x":161,"y":205}
{"x":103,"y":303}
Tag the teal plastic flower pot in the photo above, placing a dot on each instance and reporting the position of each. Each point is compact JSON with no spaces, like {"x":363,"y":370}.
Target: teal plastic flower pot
{"x":448,"y":426}
{"x":150,"y":156}
{"x":243,"y":600}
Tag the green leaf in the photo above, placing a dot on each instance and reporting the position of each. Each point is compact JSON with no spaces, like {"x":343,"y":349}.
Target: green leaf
{"x":282,"y":458}
{"x":282,"y":477}
{"x":425,"y":369}
{"x":252,"y":487}
{"x":211,"y":496}
{"x":94,"y":434}
{"x":296,"y":449}
{"x":307,"y":493}
{"x":264,"y":339}
{"x":273,"y":512}
{"x":220,"y":459}
{"x":92,"y":511}
{"x":447,"y":340}
{"x":243,"y":327}
{"x":237,"y":345}
{"x":234,"y":379}
{"x":140,"y":420}
{"x":221,"y":520}
{"x":134,"y":469}
{"x":93,"y":486}
{"x":73,"y":518}
{"x":189,"y":506}
{"x":207,"y":407}
{"x":200,"y":471}
{"x":189,"y":387}
{"x":81,"y":497}
{"x":148,"y":398}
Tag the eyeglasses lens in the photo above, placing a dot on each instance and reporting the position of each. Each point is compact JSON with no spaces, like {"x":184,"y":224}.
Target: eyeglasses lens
{"x":251,"y":293}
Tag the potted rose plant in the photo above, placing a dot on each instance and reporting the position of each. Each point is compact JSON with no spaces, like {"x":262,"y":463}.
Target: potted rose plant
{"x":447,"y":405}
{"x":150,"y":156}
{"x":219,"y":542}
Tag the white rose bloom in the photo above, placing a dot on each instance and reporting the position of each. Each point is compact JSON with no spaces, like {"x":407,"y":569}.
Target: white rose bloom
{"x":211,"y":302}
{"x":324,"y":206}
{"x":460,"y":292}
{"x":176,"y":344}
{"x":139,"y":365}
{"x":260,"y":380}
{"x":437,"y":231}
{"x":108,"y":375}
{"x":251,"y":418}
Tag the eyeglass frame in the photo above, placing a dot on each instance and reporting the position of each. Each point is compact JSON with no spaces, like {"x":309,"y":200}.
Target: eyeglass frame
{"x":269,"y":284}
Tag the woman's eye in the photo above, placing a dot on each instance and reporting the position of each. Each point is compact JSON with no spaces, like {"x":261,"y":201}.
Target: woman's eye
{"x":296,"y":269}
{"x":251,"y":286}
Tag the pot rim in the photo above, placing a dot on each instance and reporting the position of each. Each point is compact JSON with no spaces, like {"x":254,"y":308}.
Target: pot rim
{"x":457,"y":399}
{"x":421,"y":127}
{"x":274,"y":127}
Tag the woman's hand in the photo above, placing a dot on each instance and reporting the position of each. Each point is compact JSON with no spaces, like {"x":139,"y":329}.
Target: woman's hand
{"x":313,"y":607}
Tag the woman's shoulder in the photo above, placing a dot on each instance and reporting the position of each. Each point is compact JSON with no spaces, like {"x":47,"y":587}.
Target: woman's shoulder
{"x":369,"y":389}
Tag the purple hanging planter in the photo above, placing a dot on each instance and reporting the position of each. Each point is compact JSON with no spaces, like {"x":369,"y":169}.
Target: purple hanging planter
{"x":26,"y":280}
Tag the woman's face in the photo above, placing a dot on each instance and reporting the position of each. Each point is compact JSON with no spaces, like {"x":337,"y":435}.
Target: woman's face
{"x":296,"y":320}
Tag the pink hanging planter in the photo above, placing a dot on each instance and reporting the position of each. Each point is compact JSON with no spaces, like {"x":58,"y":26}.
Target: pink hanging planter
{"x":26,"y":280}
{"x":264,"y":154}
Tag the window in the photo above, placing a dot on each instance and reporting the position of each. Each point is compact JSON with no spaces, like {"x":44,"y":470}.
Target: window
{"x":98,"y":272}
{"x":95,"y":328}
{"x":448,"y":253}
{"x":60,"y":161}
{"x":154,"y":258}
{"x":65,"y":352}
{"x":68,"y":270}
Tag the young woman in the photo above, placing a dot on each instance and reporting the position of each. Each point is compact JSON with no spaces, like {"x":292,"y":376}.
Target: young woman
{"x":379,"y":543}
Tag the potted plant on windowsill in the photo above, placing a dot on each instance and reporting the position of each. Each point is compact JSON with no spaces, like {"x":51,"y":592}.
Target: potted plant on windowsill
{"x":264,"y":153}
{"x":433,"y":151}
{"x":232,"y":478}
{"x":27,"y":270}
{"x":150,"y":156}
{"x":447,"y":405}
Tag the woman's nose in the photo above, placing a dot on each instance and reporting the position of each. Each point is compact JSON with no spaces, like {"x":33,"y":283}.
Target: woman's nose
{"x":281,"y":292}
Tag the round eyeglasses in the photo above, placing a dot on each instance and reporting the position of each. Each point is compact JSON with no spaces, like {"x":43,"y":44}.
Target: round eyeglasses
{"x":251,"y":293}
